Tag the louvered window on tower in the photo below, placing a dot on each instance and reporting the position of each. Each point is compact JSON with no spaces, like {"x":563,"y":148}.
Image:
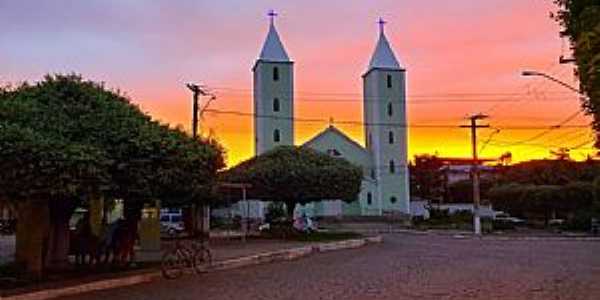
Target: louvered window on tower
{"x":276,"y":136}
{"x":392,"y":167}
{"x":390,"y":109}
{"x":389,"y":81}
{"x":275,"y":74}
{"x":369,"y":198}
{"x":391,"y":137}
{"x":276,"y":105}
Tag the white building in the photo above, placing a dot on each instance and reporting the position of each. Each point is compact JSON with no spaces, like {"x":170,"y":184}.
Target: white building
{"x":385,"y":188}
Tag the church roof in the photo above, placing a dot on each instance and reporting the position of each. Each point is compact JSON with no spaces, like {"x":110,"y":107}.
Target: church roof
{"x":383,"y":57}
{"x":334,"y":139}
{"x":272,"y":49}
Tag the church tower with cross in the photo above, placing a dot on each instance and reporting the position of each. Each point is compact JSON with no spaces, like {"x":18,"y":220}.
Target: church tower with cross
{"x":273,"y":94}
{"x":384,"y":115}
{"x":383,"y":157}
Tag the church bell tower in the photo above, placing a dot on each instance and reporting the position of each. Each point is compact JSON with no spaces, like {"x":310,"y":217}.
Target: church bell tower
{"x":384,"y":96}
{"x":273,"y":94}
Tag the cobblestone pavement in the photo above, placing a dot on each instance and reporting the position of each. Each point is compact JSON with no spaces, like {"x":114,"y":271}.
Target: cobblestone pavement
{"x":403,"y":267}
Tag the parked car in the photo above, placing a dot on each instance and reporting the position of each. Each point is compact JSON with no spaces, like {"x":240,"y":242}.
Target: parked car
{"x":506,"y":218}
{"x":171,"y":223}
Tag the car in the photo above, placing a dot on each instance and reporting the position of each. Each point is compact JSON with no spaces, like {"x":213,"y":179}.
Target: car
{"x":506,"y":218}
{"x":171,"y":223}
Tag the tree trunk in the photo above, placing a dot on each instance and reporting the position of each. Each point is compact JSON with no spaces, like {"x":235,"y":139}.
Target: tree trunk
{"x":32,"y":236}
{"x":57,"y":255}
{"x":290,"y":207}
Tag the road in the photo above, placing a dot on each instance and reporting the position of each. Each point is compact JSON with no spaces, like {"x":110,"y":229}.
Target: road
{"x":403,"y":267}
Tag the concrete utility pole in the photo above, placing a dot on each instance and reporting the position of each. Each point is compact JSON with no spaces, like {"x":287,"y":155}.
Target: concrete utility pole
{"x":475,"y":169}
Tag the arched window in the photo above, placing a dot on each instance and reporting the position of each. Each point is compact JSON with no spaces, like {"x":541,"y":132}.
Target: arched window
{"x":389,"y":81}
{"x":369,"y":198}
{"x":276,"y":104}
{"x":390,"y":109}
{"x":393,"y":200}
{"x":392,"y":167}
{"x":275,"y":74}
{"x":391,"y":137}
{"x":276,"y":136}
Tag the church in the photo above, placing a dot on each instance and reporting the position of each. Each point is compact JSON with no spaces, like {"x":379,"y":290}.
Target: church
{"x":385,"y":186}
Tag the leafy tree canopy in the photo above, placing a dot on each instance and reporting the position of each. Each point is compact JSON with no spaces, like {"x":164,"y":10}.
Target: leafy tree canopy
{"x":297,"y":175}
{"x":65,"y":138}
{"x":580,"y":20}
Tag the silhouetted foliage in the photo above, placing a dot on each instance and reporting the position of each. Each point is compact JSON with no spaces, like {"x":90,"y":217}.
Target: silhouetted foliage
{"x":580,"y":20}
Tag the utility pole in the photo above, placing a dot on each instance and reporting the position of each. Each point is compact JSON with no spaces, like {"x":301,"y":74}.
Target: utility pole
{"x":197,"y":91}
{"x":475,"y":169}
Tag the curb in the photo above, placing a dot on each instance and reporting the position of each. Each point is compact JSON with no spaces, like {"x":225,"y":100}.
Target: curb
{"x":234,"y":263}
{"x":528,"y":238}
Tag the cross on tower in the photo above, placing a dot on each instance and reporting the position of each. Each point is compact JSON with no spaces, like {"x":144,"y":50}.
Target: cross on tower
{"x":272,"y":14}
{"x":381,"y":23}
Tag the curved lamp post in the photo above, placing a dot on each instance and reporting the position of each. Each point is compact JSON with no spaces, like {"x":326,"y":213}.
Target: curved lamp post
{"x":540,"y":74}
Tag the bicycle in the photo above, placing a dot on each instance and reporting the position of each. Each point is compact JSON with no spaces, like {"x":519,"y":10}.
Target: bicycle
{"x":195,"y":255}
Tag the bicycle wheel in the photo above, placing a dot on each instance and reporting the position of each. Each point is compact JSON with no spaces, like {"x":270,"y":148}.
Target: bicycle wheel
{"x":202,"y":260}
{"x":172,"y":264}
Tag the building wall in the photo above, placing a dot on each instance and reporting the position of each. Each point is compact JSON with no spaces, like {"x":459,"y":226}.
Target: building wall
{"x":266,"y":89}
{"x":357,"y":155}
{"x":378,"y":125}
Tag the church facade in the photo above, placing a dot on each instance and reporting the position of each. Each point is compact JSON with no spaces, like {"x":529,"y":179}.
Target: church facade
{"x":385,"y":186}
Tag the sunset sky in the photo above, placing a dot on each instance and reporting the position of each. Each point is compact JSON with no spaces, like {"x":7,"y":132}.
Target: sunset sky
{"x":461,"y":56}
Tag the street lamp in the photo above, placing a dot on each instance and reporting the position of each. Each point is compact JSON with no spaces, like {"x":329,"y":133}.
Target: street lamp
{"x":540,"y":74}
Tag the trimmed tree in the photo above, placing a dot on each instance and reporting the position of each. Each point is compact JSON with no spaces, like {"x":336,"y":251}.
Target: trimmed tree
{"x":65,"y":141}
{"x":297,"y":175}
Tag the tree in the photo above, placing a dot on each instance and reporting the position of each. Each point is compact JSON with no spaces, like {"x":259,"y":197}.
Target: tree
{"x":427,"y":178}
{"x":65,"y":141}
{"x":297,"y":175}
{"x":580,"y":20}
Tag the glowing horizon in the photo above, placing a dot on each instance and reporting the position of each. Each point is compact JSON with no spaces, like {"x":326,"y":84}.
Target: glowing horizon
{"x":467,"y":50}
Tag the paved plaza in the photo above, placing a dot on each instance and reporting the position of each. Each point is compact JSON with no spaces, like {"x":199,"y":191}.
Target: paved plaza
{"x":403,"y":267}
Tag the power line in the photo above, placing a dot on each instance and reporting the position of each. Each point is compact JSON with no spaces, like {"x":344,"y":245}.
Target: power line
{"x":400,"y":125}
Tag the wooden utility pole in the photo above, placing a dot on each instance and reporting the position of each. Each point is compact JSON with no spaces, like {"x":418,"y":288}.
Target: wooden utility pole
{"x":197,"y":91}
{"x":475,"y":169}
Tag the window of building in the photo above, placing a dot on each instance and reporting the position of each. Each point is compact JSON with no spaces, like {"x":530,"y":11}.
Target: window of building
{"x":333,"y":152}
{"x":276,"y":136}
{"x":391,"y":137}
{"x":369,"y":198}
{"x":392,"y":167}
{"x":373,"y":173}
{"x":393,"y":200}
{"x":390,"y":109}
{"x":275,"y":74}
{"x":389,"y":81}
{"x":276,"y":105}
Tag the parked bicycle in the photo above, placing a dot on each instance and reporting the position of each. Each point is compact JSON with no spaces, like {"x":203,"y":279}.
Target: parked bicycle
{"x":186,"y":255}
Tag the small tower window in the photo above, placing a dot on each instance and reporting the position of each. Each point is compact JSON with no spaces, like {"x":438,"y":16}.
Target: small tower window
{"x":393,"y":200}
{"x":276,"y":104}
{"x":391,"y":137}
{"x":390,"y":109}
{"x":369,"y":198}
{"x":389,"y":81}
{"x":275,"y":74}
{"x":276,"y":136}
{"x":373,"y":173}
{"x":392,"y":167}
